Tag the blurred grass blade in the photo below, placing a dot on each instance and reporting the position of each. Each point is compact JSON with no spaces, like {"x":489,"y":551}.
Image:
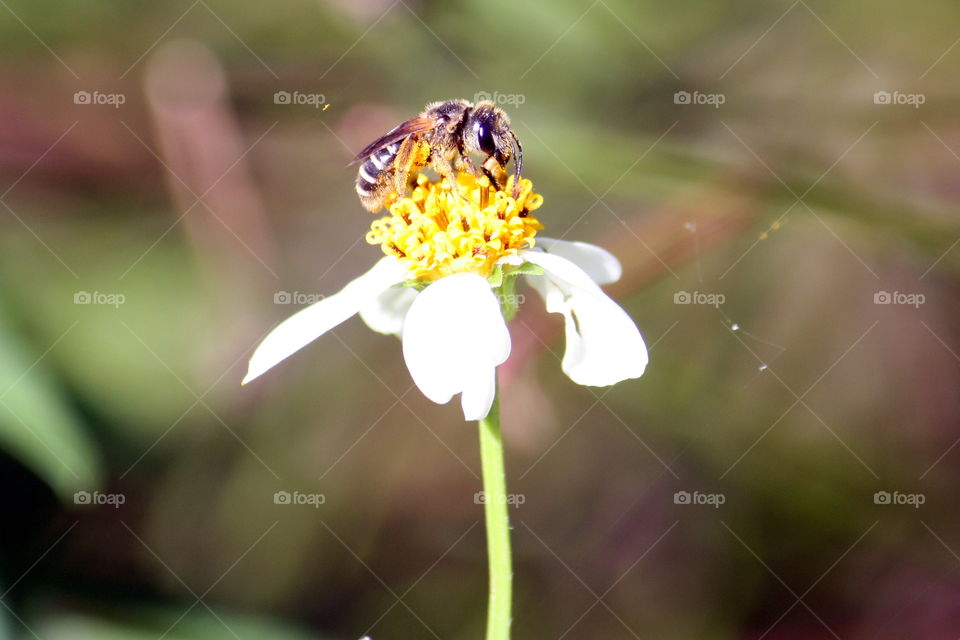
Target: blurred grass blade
{"x":150,"y":624}
{"x":37,"y":427}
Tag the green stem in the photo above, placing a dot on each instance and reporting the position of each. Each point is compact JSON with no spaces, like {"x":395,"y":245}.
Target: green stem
{"x":498,"y":526}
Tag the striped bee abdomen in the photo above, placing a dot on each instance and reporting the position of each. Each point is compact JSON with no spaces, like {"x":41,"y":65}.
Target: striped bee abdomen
{"x":371,"y":173}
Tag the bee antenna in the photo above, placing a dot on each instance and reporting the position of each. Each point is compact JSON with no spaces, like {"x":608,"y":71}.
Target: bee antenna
{"x":518,"y":160}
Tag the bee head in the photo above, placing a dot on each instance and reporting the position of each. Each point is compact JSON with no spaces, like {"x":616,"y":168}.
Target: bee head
{"x":488,"y":131}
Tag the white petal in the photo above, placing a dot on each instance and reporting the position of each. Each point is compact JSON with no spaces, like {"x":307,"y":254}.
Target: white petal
{"x":310,"y":323}
{"x":454,"y":337}
{"x":601,"y":265}
{"x":604,"y":345}
{"x":479,"y":392}
{"x":387,"y":311}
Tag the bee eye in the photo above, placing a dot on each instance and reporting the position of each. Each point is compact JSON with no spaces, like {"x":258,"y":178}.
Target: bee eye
{"x":485,"y":138}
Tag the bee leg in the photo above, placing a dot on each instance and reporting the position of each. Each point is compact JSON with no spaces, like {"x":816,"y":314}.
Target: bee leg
{"x":495,"y":173}
{"x":465,"y":161}
{"x":403,"y":164}
{"x":484,"y":191}
{"x":449,"y":173}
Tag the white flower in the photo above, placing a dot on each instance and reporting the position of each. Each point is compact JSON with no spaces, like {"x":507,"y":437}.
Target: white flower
{"x":454,"y":334}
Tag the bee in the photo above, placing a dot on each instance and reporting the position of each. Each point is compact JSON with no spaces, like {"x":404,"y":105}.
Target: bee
{"x":442,"y":138}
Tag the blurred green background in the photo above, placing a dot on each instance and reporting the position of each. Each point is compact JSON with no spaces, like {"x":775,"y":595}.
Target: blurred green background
{"x":789,"y":242}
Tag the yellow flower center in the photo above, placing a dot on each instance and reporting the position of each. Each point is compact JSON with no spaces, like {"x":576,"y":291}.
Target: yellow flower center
{"x":436,"y":231}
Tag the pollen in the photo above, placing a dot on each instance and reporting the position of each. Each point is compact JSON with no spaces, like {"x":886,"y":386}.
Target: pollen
{"x":437,"y":231}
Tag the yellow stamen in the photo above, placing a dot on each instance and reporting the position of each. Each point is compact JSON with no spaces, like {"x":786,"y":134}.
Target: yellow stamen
{"x":436,"y":231}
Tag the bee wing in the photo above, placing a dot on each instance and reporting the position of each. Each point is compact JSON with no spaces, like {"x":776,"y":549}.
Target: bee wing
{"x":398,"y":133}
